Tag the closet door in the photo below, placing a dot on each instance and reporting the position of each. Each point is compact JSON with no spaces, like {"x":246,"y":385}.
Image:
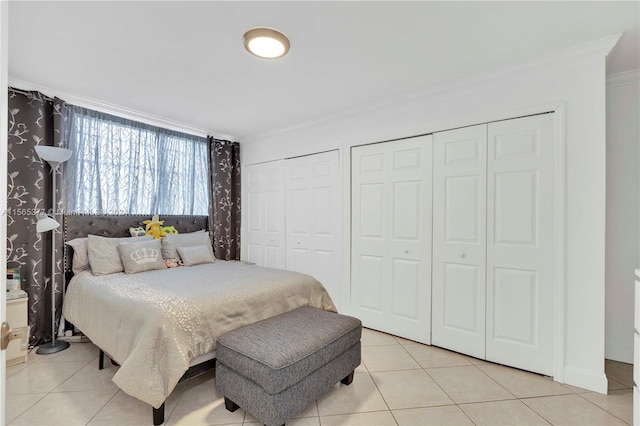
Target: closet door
{"x":314,"y":219}
{"x":391,"y":236}
{"x":459,"y":239}
{"x":263,"y":214}
{"x":520,"y":229}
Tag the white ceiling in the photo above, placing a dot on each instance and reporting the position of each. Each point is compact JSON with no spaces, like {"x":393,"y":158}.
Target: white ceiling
{"x":185,"y":61}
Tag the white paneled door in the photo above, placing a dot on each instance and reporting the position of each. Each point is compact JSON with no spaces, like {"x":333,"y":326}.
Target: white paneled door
{"x":520,"y":241}
{"x":314,"y":219}
{"x":493,"y":242}
{"x":459,"y":239}
{"x":264,"y":214}
{"x":391,"y":237}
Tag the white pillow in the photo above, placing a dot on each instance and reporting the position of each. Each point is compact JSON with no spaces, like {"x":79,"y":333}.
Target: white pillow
{"x":104,"y":257}
{"x":170,"y":243}
{"x":80,"y":261}
{"x":196,"y":255}
{"x":139,"y":256}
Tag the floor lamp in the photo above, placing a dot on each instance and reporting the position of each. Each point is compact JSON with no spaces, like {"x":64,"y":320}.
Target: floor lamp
{"x":54,"y":156}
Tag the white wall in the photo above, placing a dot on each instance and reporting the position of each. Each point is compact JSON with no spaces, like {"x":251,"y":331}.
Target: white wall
{"x":575,"y":78}
{"x":623,"y":212}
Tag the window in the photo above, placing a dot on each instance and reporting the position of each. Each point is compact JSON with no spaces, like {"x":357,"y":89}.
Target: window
{"x":120,"y":166}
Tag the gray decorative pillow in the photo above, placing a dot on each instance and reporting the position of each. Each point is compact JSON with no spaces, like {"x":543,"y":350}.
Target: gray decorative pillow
{"x":170,"y":243}
{"x":140,"y":256}
{"x":103,"y":253}
{"x":80,"y":261}
{"x":196,"y":255}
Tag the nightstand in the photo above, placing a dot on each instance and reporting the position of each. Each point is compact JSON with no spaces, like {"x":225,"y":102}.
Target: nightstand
{"x":17,"y":318}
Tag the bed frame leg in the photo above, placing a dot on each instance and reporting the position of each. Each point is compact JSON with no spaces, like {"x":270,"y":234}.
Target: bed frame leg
{"x":158,"y":415}
{"x":101,"y":360}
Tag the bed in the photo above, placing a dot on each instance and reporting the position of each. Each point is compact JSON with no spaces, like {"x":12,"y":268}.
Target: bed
{"x":157,"y":324}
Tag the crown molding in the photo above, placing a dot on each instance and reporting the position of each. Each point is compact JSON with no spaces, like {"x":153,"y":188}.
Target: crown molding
{"x":623,"y":78}
{"x":597,"y":48}
{"x":117,"y":110}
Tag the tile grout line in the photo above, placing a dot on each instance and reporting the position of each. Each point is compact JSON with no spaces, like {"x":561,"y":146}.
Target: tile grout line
{"x":471,"y":364}
{"x":27,"y":408}
{"x":429,"y":375}
{"x":362,"y":412}
{"x":542,"y":416}
{"x":520,"y":399}
{"x":440,"y":387}
{"x":69,"y":378}
{"x":167,"y":416}
{"x":397,"y":343}
{"x":52,"y":391}
{"x":44,"y":395}
{"x":624,"y":386}
{"x":496,"y":382}
{"x":449,"y":396}
{"x":602,"y":408}
{"x":103,"y":405}
{"x":383,"y":398}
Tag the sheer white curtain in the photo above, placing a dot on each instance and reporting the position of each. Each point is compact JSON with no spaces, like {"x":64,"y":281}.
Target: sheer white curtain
{"x":120,"y":166}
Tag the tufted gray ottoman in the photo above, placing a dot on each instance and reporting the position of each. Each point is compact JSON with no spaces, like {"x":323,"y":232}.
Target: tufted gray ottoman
{"x":275,"y":368}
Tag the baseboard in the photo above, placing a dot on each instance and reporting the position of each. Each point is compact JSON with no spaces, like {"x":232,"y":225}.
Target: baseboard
{"x":586,"y":379}
{"x":619,"y":353}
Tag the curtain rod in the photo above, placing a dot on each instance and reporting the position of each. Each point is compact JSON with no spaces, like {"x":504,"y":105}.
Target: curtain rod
{"x":138,"y":119}
{"x":28,"y":92}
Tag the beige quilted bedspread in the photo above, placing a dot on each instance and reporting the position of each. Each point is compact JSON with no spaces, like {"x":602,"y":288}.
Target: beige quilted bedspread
{"x":154,"y":323}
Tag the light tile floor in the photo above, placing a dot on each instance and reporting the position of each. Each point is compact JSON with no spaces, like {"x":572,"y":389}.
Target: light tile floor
{"x":399,"y":383}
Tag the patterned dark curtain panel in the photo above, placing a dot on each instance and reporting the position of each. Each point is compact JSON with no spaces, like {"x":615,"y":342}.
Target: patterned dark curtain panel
{"x":34,"y":120}
{"x":224,"y":210}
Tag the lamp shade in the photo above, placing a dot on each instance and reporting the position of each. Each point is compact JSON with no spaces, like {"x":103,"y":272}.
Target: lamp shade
{"x":46,"y":223}
{"x":53,"y":154}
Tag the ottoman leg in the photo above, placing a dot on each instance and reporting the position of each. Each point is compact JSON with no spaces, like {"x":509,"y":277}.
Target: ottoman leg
{"x":230,"y":405}
{"x":347,"y":380}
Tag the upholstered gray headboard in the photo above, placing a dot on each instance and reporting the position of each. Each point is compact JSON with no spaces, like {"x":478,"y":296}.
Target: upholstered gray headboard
{"x":78,"y":226}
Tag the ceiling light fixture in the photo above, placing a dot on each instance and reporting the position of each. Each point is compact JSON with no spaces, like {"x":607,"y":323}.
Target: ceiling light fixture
{"x":266,"y":43}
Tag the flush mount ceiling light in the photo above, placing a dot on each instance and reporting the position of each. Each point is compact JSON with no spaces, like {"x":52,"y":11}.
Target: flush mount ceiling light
{"x":266,"y":43}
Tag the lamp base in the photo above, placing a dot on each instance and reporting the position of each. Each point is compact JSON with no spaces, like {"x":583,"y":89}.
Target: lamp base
{"x":52,"y":347}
